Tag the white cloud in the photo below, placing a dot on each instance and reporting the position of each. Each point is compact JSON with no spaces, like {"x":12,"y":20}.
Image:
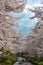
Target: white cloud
{"x":38,"y":5}
{"x":35,"y":5}
{"x":31,"y":7}
{"x":26,"y":8}
{"x":25,"y":11}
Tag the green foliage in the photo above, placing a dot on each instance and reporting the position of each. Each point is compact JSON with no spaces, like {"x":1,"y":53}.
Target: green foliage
{"x":12,"y":59}
{"x":7,"y":58}
{"x":40,"y":63}
{"x":34,"y":60}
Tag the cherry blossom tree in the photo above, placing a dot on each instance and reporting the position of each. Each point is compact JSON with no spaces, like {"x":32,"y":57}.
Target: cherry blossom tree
{"x":9,"y":37}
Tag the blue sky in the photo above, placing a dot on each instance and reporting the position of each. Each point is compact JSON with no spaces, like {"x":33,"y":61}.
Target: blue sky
{"x":26,"y":24}
{"x":31,"y":2}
